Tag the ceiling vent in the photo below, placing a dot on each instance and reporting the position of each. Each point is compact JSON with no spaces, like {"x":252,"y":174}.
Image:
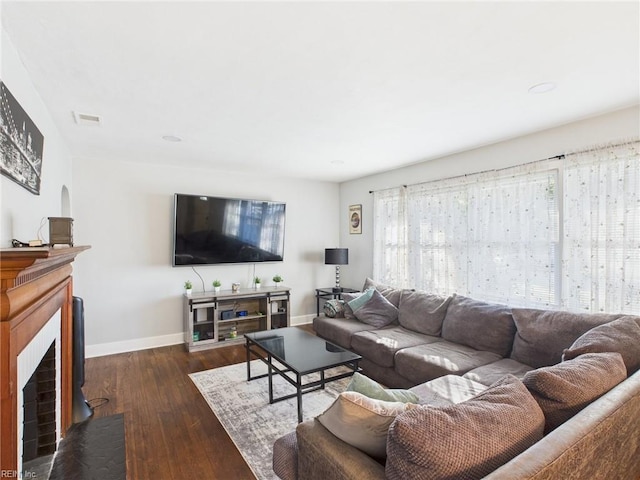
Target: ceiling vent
{"x":87,"y":119}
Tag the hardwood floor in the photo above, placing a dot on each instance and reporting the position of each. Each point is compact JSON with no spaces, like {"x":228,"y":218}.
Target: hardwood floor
{"x":171,"y":433}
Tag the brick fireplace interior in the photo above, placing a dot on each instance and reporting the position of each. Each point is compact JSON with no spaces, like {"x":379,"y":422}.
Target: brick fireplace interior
{"x":39,"y":434}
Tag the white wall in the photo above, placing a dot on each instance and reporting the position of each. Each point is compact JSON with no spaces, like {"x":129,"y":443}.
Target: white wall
{"x":132,"y":294}
{"x":616,"y":126}
{"x":21,"y":210}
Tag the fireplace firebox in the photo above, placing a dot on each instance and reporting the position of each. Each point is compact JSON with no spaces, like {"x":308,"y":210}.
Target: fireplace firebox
{"x":39,"y":435}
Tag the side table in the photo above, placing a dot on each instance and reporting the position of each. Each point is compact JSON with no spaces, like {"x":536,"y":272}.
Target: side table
{"x":331,"y":293}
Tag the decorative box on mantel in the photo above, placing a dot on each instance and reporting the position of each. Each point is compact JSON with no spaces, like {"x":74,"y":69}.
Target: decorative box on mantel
{"x":36,"y":294}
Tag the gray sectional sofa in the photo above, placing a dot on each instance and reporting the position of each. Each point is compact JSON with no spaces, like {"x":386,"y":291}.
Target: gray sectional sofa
{"x":463,"y":356}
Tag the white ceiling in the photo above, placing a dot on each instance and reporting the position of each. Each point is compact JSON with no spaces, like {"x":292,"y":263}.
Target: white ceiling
{"x":321,"y":90}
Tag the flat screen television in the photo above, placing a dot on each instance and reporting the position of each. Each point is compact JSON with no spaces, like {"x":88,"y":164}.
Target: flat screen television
{"x":215,"y":230}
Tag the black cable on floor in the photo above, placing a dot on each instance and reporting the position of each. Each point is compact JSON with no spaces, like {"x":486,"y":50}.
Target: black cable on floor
{"x":102,"y":400}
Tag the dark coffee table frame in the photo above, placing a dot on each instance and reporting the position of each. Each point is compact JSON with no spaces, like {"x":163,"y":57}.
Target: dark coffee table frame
{"x":267,"y":357}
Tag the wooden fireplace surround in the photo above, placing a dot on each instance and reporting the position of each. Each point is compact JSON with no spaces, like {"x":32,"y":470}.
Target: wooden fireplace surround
{"x":35,"y":284}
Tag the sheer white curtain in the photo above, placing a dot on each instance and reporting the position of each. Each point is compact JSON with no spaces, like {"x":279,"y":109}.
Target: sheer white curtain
{"x":492,"y":236}
{"x":437,"y":236}
{"x":601,"y":260}
{"x":560,"y":234}
{"x":390,"y":236}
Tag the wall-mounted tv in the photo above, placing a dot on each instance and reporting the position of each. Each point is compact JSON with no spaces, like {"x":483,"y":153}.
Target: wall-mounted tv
{"x":214,"y":230}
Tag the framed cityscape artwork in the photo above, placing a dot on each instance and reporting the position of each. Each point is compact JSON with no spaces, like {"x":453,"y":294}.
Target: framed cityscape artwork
{"x":21,"y":144}
{"x":355,"y":219}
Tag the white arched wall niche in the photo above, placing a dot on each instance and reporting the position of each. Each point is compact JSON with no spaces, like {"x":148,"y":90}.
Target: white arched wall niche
{"x":65,"y":202}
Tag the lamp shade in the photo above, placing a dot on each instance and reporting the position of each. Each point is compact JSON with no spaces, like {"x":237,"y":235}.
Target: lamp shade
{"x":336,"y":256}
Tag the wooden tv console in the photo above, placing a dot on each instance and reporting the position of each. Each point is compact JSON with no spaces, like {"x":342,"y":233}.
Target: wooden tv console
{"x":211,"y":319}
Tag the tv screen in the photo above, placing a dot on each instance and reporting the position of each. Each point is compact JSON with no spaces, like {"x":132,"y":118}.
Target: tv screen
{"x":214,"y":230}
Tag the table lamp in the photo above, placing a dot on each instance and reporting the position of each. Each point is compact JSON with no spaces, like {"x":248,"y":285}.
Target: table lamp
{"x":337,"y":257}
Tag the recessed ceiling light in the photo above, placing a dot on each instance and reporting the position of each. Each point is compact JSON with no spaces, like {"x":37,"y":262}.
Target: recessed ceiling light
{"x":542,"y":87}
{"x":171,"y":138}
{"x":337,"y":162}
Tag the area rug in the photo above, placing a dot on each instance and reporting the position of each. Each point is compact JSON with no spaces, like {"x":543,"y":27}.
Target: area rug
{"x":243,"y":409}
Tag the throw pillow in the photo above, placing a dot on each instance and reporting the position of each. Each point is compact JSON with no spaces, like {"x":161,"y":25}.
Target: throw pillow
{"x":373,"y":309}
{"x":491,"y":429}
{"x":334,"y":308}
{"x":362,"y":421}
{"x":564,"y":389}
{"x":621,"y":336}
{"x":390,"y":293}
{"x":361,"y":298}
{"x":348,"y":298}
{"x":372,"y":389}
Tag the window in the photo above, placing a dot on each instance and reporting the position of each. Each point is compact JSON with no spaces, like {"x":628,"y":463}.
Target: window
{"x":499,"y":236}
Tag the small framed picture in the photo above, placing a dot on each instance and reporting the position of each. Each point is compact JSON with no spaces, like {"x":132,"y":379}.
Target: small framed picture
{"x":355,"y":219}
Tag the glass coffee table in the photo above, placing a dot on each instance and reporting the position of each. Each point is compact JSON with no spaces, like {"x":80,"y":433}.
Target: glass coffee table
{"x":293,"y":353}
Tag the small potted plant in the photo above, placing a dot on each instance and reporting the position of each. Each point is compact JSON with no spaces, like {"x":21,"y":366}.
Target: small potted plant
{"x":257,"y":282}
{"x":277,"y":279}
{"x":216,"y":285}
{"x":188,"y":287}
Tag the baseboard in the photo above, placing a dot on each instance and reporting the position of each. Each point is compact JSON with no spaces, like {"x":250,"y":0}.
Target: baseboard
{"x":102,"y":349}
{"x":302,"y":319}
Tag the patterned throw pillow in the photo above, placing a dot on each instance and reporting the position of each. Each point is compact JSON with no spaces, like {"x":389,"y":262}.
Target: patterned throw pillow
{"x":490,"y":428}
{"x":334,"y":309}
{"x":564,"y":389}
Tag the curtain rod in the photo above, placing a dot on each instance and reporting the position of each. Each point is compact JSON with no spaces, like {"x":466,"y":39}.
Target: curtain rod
{"x":555,"y":157}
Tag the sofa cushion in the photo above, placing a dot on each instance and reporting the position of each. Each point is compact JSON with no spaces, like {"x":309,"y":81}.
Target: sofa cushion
{"x":542,"y":335}
{"x":372,"y":308}
{"x":338,"y":330}
{"x":447,"y":390}
{"x":480,"y":325}
{"x":491,"y":429}
{"x":492,"y":372}
{"x":385,"y":375}
{"x":426,"y":362}
{"x":362,"y":421}
{"x":564,"y":389}
{"x":381,"y":345}
{"x":422,"y":312}
{"x":390,"y":293}
{"x":621,"y":335}
{"x":372,"y":389}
